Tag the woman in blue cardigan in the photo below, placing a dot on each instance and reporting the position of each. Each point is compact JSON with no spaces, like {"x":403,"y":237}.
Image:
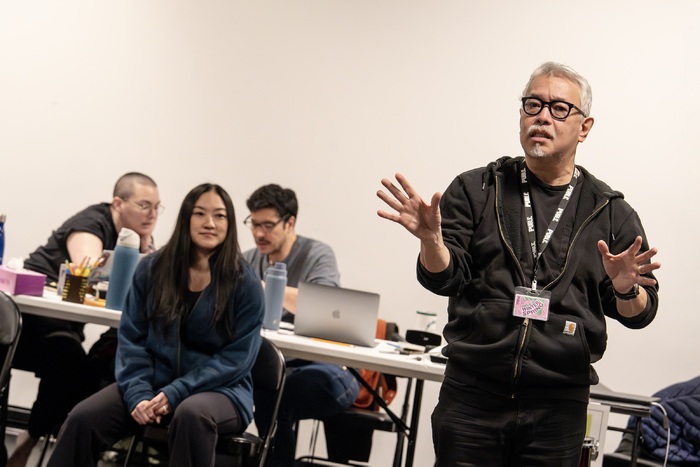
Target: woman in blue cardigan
{"x":188,"y":338}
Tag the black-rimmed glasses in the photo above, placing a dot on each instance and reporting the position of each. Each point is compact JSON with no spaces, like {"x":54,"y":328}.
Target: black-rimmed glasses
{"x":557,"y":109}
{"x":265,"y":226}
{"x":146,"y":207}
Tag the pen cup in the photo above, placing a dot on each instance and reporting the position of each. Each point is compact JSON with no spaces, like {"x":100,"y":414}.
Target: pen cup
{"x":74,"y":288}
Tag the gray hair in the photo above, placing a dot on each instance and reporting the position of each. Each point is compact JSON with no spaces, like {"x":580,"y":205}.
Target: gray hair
{"x":563,"y":71}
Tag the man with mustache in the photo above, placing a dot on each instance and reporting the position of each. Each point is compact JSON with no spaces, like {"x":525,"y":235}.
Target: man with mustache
{"x":533,"y":252}
{"x":312,"y":390}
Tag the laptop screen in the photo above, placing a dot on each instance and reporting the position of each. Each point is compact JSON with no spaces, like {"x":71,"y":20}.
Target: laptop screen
{"x":337,"y":314}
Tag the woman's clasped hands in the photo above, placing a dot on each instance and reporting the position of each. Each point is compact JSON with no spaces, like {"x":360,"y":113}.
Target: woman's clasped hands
{"x":151,"y":411}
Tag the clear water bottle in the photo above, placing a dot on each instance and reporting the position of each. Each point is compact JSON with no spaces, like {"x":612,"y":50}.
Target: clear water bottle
{"x":2,"y":236}
{"x":126,"y":257}
{"x":275,"y":283}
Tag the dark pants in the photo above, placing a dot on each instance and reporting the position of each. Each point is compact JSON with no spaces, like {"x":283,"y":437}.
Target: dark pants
{"x":97,"y":422}
{"x":52,"y":350}
{"x":476,"y":428}
{"x":311,"y":391}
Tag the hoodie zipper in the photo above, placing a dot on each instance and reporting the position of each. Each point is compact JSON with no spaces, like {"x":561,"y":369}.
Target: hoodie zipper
{"x":179,"y":347}
{"x":526,"y":322}
{"x":503,"y":237}
{"x":179,"y":336}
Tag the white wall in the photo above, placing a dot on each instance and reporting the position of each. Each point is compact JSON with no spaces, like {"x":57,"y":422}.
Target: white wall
{"x":328,"y":97}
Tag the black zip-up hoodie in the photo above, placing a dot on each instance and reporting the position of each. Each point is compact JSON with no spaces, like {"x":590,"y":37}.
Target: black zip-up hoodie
{"x":482,"y":220}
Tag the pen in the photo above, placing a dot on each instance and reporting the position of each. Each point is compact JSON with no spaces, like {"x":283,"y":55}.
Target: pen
{"x":79,"y":270}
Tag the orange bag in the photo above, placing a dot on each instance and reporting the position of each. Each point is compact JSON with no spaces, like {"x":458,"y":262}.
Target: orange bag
{"x":383,"y":384}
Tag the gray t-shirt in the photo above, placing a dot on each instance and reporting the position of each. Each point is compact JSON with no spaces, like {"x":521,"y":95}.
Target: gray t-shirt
{"x":309,"y":261}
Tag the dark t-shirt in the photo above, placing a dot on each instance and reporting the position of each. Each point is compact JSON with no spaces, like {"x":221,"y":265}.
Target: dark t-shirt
{"x":96,"y":219}
{"x":545,"y":202}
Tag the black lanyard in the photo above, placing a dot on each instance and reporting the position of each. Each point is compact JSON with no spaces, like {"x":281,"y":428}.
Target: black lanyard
{"x":530,"y":217}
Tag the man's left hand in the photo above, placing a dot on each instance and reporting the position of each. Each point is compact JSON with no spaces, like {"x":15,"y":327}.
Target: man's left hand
{"x":628,"y":268}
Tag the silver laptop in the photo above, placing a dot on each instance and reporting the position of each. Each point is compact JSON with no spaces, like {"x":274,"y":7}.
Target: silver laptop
{"x":337,"y":314}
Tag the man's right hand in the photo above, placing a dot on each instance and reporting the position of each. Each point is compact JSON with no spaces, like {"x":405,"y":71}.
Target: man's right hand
{"x":412,"y":212}
{"x":418,"y":217}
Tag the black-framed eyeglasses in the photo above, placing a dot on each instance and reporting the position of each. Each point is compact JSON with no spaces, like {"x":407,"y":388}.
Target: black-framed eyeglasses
{"x":144,"y":207}
{"x":265,"y":226}
{"x":558,"y":109}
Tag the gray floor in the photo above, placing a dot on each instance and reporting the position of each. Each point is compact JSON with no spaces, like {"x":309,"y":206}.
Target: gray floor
{"x":11,"y":436}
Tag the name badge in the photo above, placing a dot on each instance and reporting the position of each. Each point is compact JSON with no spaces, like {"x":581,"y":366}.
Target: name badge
{"x":533,"y":304}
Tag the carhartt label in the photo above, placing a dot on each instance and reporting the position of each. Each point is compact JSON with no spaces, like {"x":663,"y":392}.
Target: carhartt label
{"x":570,"y":328}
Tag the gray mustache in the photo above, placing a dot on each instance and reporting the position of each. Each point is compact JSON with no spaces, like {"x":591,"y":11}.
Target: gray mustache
{"x":540,"y":129}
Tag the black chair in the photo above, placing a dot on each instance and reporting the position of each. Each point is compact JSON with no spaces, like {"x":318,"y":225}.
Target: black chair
{"x":622,"y":457}
{"x":10,"y":329}
{"x":349,"y":434}
{"x":244,"y":449}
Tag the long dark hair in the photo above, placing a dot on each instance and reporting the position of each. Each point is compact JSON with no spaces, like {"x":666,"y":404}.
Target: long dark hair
{"x":171,"y":267}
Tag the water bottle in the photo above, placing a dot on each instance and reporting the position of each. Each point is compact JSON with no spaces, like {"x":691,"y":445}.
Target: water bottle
{"x":2,"y":236}
{"x":275,"y":282}
{"x":126,"y":257}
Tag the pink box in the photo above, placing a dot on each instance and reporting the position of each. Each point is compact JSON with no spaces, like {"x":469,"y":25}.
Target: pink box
{"x":22,"y":282}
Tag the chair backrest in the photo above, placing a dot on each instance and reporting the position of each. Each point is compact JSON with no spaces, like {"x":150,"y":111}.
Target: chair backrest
{"x":269,"y":374}
{"x":10,"y":329}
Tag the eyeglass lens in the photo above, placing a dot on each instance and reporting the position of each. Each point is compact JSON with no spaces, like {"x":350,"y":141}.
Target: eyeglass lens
{"x":146,"y":207}
{"x":265,"y":226}
{"x":558,"y":109}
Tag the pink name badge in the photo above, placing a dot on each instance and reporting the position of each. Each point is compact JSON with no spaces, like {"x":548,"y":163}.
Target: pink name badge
{"x":533,"y":304}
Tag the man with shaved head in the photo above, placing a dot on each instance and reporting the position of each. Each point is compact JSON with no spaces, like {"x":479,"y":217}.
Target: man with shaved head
{"x":51,"y":348}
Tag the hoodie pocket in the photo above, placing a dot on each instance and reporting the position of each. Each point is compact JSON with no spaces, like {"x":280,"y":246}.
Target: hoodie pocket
{"x":484,"y":340}
{"x":486,"y":323}
{"x":557,"y":351}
